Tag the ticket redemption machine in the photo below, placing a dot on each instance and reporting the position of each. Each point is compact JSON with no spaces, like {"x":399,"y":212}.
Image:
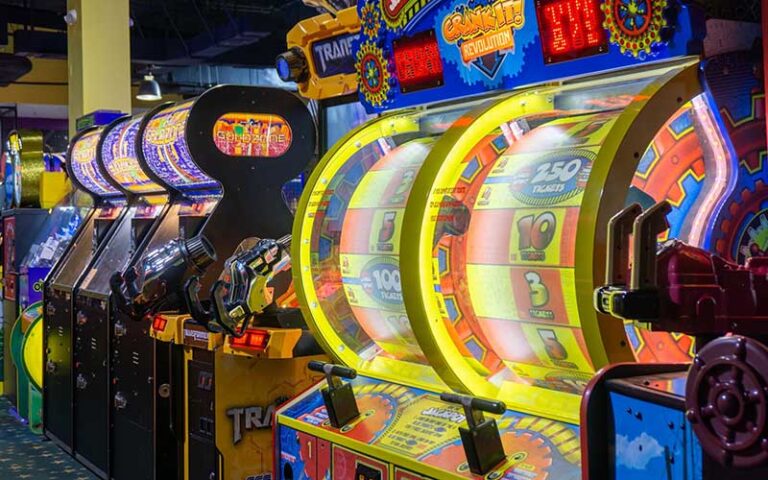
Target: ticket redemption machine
{"x":638,"y":420}
{"x":250,"y":142}
{"x":93,"y":323}
{"x":87,"y":175}
{"x":21,"y":223}
{"x":503,"y":201}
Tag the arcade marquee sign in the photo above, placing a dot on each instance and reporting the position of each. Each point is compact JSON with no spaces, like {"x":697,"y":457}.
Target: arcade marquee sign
{"x":485,"y":29}
{"x":407,"y":46}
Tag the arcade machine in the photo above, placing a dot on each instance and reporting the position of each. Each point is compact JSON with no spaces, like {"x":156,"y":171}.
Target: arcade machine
{"x":93,"y":323}
{"x":503,"y":200}
{"x":638,"y":418}
{"x":229,"y":432}
{"x":139,"y":369}
{"x":50,"y":242}
{"x":245,"y":144}
{"x":20,"y":225}
{"x":261,"y":337}
{"x":87,"y":175}
{"x":27,"y":351}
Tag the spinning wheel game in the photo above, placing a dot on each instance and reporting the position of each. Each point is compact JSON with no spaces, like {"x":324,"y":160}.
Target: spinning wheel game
{"x":456,"y":247}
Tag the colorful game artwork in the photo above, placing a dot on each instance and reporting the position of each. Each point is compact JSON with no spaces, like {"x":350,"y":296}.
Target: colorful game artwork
{"x":252,"y":135}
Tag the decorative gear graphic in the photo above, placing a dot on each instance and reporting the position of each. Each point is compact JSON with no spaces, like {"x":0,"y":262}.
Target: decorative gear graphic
{"x":635,"y":25}
{"x":732,"y":239}
{"x":373,"y":73}
{"x":370,"y":20}
{"x":754,"y":240}
{"x":530,"y":450}
{"x":741,"y":213}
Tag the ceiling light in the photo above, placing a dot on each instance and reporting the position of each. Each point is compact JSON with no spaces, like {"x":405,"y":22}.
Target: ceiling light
{"x":149,"y":89}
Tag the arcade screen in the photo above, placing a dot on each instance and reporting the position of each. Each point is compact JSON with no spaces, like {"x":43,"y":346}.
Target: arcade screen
{"x":54,"y":236}
{"x":166,"y":151}
{"x":120,"y":246}
{"x":83,"y":164}
{"x":118,"y":154}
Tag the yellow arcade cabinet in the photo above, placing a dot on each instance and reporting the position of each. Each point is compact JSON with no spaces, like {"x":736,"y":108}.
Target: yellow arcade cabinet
{"x":262,"y":341}
{"x":265,"y":139}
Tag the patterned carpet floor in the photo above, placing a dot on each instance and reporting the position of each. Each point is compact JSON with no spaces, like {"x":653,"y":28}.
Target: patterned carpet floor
{"x":24,"y":455}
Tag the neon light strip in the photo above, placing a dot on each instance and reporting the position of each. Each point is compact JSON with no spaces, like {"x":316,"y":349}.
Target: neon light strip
{"x":723,"y":176}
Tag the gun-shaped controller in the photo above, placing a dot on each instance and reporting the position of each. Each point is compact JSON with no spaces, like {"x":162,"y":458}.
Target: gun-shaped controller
{"x":244,"y":289}
{"x":153,"y":284}
{"x":676,"y":287}
{"x":680,"y":288}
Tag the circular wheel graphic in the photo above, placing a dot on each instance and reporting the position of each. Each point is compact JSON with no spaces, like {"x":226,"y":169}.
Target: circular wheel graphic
{"x":632,"y":16}
{"x":635,"y":25}
{"x":372,"y":73}
{"x":726,"y":401}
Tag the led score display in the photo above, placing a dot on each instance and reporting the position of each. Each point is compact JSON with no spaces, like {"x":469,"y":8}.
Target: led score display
{"x":570,"y":29}
{"x":417,"y":62}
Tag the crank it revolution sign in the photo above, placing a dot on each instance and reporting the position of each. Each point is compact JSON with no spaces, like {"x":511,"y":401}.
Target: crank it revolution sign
{"x":484,"y":34}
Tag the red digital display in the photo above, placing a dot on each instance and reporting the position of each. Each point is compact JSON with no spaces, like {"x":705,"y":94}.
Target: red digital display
{"x":159,"y":323}
{"x":254,"y":339}
{"x":417,"y":62}
{"x":570,"y":29}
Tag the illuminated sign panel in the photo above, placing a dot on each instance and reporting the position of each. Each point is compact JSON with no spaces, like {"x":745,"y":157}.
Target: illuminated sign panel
{"x":496,"y":45}
{"x":119,"y":156}
{"x":570,"y":29}
{"x":417,"y":62}
{"x":252,"y":135}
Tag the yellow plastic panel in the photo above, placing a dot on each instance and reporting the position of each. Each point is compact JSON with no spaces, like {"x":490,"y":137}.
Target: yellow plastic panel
{"x":53,"y":187}
{"x":347,"y":267}
{"x":316,"y":29}
{"x":32,"y":347}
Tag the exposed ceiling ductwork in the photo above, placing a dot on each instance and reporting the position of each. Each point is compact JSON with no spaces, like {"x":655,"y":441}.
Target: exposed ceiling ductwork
{"x":244,"y":33}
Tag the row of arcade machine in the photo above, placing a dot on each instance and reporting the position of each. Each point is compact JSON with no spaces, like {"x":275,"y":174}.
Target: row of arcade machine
{"x":33,"y":181}
{"x":246,"y":348}
{"x":445,"y":253}
{"x":179,"y":329}
{"x":179,"y":186}
{"x":504,"y":199}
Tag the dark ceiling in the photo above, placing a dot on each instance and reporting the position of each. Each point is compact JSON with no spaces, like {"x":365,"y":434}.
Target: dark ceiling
{"x":246,"y":33}
{"x":167,"y":34}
